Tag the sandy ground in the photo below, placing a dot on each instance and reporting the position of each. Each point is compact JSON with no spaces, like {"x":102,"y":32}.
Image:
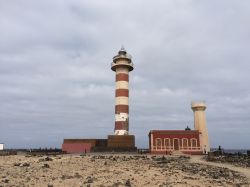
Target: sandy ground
{"x":118,"y":170}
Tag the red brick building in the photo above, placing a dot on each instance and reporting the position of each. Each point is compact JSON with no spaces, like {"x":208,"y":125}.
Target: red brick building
{"x":82,"y":145}
{"x":170,"y":141}
{"x":124,"y":143}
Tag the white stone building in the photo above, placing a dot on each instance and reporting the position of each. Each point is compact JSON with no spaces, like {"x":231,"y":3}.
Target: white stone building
{"x":1,"y":146}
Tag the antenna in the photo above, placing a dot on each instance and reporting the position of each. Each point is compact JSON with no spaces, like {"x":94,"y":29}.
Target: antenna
{"x":122,"y":48}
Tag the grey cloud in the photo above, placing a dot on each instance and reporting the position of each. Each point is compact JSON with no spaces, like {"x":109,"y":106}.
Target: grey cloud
{"x":56,"y":80}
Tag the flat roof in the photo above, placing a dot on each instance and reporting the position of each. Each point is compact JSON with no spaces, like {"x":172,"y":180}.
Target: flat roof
{"x":174,"y":131}
{"x":76,"y":140}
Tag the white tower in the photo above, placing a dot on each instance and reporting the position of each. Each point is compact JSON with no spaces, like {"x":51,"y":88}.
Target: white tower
{"x":200,"y":124}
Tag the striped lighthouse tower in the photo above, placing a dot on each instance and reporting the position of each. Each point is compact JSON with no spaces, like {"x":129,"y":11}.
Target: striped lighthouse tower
{"x":122,"y":65}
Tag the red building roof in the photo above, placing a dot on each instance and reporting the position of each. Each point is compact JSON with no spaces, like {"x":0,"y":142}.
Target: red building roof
{"x":174,"y":132}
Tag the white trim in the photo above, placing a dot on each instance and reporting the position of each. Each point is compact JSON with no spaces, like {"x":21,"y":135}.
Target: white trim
{"x":157,"y":143}
{"x":169,"y":143}
{"x":182,"y":141}
{"x":196,"y":143}
{"x":152,"y":141}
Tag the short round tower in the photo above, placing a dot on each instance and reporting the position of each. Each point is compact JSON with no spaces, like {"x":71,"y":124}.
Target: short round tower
{"x":200,"y":124}
{"x":122,"y":65}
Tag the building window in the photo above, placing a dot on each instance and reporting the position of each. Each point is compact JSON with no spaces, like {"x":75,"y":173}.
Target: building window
{"x":194,"y":143}
{"x":167,"y":143}
{"x":172,"y":143}
{"x":158,"y":143}
{"x":184,"y":143}
{"x":176,"y":143}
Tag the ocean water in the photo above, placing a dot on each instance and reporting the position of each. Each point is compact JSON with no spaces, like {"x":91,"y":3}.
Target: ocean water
{"x":243,"y":151}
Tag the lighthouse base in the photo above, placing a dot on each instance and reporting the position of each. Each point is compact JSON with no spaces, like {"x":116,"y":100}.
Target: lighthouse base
{"x":118,"y":143}
{"x":121,"y":142}
{"x":114,"y":143}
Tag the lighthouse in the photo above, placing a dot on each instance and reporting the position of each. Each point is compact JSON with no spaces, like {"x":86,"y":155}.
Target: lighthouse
{"x":121,"y":140}
{"x":200,"y":124}
{"x":122,"y":65}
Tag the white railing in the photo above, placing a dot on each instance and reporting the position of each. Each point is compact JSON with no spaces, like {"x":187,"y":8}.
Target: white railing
{"x":170,"y":148}
{"x":127,"y":64}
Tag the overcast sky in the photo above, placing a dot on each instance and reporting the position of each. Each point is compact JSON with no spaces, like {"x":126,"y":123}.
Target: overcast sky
{"x":56,"y":81}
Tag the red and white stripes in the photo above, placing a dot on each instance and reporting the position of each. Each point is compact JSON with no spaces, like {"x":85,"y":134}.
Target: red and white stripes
{"x":122,"y":65}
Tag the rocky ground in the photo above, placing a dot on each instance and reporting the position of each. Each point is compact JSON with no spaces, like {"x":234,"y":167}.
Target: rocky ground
{"x":114,"y":170}
{"x":237,"y":160}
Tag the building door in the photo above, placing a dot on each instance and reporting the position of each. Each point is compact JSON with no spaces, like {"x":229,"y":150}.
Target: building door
{"x":176,"y":144}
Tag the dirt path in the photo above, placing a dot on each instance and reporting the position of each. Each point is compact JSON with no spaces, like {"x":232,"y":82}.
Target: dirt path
{"x":244,"y":171}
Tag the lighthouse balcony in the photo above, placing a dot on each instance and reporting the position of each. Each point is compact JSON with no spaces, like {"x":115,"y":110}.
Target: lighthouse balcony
{"x":120,"y":56}
{"x":122,"y":64}
{"x":198,"y":105}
